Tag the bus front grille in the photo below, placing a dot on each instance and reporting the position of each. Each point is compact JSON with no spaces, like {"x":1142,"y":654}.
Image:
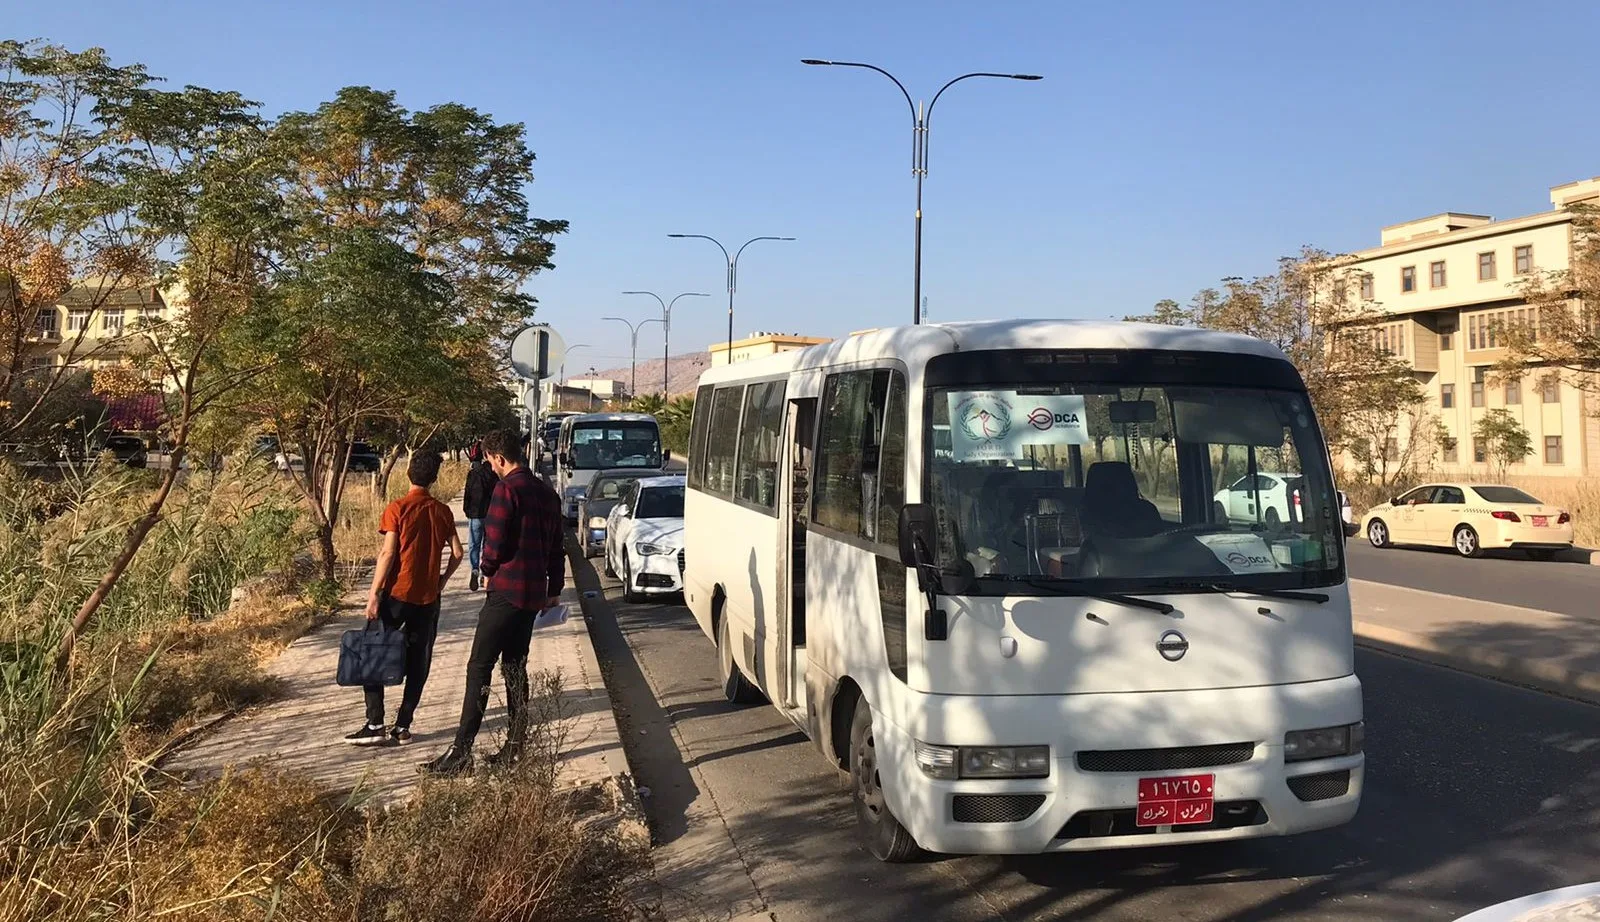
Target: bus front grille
{"x":1161,"y":760}
{"x":1321,"y":786}
{"x":994,"y":808}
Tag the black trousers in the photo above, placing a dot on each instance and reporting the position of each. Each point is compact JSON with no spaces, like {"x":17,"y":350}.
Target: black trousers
{"x":420,"y":623}
{"x":504,"y":631}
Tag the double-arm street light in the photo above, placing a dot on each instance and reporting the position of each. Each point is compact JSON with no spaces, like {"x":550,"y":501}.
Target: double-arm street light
{"x":633,"y":334}
{"x":733,"y":273}
{"x":666,"y":328}
{"x":920,"y":116}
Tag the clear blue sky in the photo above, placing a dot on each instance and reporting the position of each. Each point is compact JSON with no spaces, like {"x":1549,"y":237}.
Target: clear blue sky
{"x":1168,"y":145}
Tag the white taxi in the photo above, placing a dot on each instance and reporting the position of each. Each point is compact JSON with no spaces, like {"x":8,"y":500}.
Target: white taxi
{"x":1472,"y":518}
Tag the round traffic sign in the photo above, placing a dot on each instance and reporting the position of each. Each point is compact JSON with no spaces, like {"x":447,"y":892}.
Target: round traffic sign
{"x":537,"y":351}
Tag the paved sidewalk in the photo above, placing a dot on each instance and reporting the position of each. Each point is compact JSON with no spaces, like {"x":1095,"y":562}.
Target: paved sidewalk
{"x":303,"y":730}
{"x":1523,"y":645}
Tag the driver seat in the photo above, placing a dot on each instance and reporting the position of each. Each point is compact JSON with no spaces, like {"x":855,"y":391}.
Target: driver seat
{"x":1112,"y":506}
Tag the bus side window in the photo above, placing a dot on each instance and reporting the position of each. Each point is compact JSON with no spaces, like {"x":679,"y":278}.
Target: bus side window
{"x":698,"y":427}
{"x":861,"y":466}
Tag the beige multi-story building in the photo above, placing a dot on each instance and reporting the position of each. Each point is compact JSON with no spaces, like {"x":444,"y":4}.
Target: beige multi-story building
{"x":92,"y":327}
{"x":759,"y":345}
{"x":1448,"y":284}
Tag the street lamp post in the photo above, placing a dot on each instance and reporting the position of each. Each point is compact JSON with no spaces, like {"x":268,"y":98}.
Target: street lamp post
{"x":633,"y":334}
{"x":920,"y":116}
{"x":570,"y":349}
{"x":666,"y":328}
{"x":733,"y":273}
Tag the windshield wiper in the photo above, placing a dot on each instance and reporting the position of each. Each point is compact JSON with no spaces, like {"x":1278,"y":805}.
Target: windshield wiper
{"x":1073,"y":588}
{"x":1296,"y":595}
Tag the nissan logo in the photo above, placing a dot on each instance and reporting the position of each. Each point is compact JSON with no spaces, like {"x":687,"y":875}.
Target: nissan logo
{"x":1172,"y":646}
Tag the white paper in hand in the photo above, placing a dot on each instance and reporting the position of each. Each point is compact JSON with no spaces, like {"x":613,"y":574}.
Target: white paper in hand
{"x":551,"y":617}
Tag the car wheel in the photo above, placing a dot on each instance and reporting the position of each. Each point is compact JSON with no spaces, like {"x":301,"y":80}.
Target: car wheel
{"x":735,"y":687}
{"x":1378,"y":533}
{"x":629,"y":593}
{"x":881,"y":832}
{"x":1467,"y":543}
{"x":1219,"y":513}
{"x":610,"y":570}
{"x":1541,"y":553}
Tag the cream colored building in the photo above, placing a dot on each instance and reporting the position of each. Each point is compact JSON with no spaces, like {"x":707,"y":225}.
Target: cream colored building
{"x":759,"y":345}
{"x":91,"y":327}
{"x":1448,"y":282}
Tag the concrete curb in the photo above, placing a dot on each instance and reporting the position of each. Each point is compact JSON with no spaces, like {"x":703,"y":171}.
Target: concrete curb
{"x":1490,"y":664}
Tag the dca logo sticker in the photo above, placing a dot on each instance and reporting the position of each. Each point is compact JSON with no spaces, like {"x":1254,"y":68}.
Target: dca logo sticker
{"x":1236,"y":559}
{"x":1044,"y":419}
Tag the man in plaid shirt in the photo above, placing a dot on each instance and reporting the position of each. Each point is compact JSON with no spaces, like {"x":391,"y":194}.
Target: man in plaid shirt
{"x":525,"y":564}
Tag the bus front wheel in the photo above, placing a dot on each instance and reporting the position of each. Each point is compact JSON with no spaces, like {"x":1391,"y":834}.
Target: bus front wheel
{"x":735,"y":687}
{"x":883,"y":835}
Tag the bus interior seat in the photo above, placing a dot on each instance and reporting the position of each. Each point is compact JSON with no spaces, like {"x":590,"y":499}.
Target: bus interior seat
{"x":1112,"y":506}
{"x":585,"y":456}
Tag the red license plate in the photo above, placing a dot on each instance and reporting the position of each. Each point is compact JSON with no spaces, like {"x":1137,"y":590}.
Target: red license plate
{"x":1178,"y":800}
{"x":1540,"y":521}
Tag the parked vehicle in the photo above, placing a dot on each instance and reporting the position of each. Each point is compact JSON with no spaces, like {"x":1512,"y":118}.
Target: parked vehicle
{"x":1269,"y":498}
{"x":594,"y":507}
{"x":1471,"y":518}
{"x":592,"y":442}
{"x":127,"y":449}
{"x":985,"y":568}
{"x":644,"y":538}
{"x":364,"y":459}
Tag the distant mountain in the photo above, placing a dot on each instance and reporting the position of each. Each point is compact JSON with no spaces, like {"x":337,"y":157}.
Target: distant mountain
{"x":682,"y":375}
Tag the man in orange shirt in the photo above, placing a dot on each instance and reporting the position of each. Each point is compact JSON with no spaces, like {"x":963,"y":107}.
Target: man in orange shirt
{"x":405,"y":591}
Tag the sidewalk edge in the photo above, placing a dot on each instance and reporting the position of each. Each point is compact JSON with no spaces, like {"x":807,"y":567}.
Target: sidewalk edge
{"x":1584,"y":686}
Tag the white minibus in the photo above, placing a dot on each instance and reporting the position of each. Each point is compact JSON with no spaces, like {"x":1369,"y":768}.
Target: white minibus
{"x":591,"y":442}
{"x":982,"y":567}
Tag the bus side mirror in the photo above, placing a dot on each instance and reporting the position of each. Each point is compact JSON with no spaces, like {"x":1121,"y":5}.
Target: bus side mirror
{"x":916,"y":535}
{"x":564,"y":460}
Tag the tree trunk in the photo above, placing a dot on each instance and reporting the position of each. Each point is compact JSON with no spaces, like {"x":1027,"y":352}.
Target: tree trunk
{"x":387,"y":470}
{"x":325,"y":551}
{"x":134,"y":540}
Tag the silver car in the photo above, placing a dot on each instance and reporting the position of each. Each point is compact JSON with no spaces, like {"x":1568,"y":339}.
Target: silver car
{"x":602,"y":493}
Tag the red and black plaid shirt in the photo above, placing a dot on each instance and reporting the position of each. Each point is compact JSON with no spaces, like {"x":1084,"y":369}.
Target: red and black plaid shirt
{"x":522,"y":541}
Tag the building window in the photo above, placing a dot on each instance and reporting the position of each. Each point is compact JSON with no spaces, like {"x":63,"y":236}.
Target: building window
{"x":1446,"y":342}
{"x":111,"y":322}
{"x":1477,"y":386}
{"x":1408,"y":279}
{"x":1436,"y":274}
{"x":1524,"y":256}
{"x":1447,"y":396}
{"x":48,"y":322}
{"x":1514,"y":393}
{"x":1552,"y":449}
{"x":1479,"y":452}
{"x":1449,"y":450}
{"x":1485,"y":266}
{"x":1340,"y":292}
{"x":78,"y":320}
{"x":150,"y":314}
{"x":1552,"y":389}
{"x":1366,"y":286}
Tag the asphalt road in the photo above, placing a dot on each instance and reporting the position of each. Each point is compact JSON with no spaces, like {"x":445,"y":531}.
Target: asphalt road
{"x":1506,"y":577}
{"x":1476,"y":792}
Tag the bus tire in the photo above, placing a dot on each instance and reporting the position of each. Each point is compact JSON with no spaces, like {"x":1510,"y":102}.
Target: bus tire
{"x":881,"y":832}
{"x":735,"y":687}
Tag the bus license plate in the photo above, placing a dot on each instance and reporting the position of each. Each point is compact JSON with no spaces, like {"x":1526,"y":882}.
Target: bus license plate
{"x":1540,"y":521}
{"x":1178,"y":800}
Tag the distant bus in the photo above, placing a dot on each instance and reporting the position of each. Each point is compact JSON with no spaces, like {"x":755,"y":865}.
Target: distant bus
{"x":590,"y":442}
{"x":982,"y":567}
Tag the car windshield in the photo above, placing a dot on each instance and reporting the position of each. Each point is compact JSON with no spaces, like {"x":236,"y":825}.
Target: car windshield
{"x":615,"y":444}
{"x":1504,"y":495}
{"x":608,"y":487}
{"x":1118,"y":487}
{"x":660,"y":503}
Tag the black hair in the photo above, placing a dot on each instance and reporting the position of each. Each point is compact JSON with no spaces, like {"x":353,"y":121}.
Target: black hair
{"x":505,"y":443}
{"x":423,"y":468}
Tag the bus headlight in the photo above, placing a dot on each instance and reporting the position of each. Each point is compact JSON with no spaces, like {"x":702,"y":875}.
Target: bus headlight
{"x":597,"y":521}
{"x":948,"y":763}
{"x":1324,"y":742}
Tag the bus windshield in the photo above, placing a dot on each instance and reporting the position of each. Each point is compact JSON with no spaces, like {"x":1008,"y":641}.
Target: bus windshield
{"x":1118,"y":487}
{"x":600,"y":445}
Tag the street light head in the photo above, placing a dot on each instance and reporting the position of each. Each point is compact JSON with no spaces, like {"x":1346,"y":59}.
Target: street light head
{"x":677,"y":235}
{"x":816,"y":62}
{"x":782,"y":238}
{"x":1026,"y":77}
{"x":638,"y":292}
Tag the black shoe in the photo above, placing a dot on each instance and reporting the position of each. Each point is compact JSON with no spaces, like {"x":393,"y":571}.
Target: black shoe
{"x":472,"y":582}
{"x":455,"y":761}
{"x":368,"y":735}
{"x":509,"y":755}
{"x":399,"y":736}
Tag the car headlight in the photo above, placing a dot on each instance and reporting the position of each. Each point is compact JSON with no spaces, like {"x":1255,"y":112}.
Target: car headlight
{"x":650,"y":550}
{"x":597,"y":521}
{"x":952,"y":762}
{"x":1324,"y":742}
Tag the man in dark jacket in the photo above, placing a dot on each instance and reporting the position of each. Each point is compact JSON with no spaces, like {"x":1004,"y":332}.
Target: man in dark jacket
{"x":481,"y":479}
{"x":525,"y":563}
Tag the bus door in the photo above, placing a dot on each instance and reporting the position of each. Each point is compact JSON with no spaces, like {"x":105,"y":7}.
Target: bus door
{"x":795,"y":490}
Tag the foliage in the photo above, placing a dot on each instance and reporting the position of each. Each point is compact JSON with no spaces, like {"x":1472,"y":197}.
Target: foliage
{"x":1505,"y":440}
{"x":673,"y":416}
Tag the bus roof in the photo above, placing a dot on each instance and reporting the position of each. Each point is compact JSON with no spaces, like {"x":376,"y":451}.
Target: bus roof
{"x":582,"y":418}
{"x":919,"y":343}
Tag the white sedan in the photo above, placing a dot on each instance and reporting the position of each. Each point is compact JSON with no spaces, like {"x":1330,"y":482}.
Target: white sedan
{"x":1471,"y":517}
{"x":644,"y":538}
{"x":1268,"y":497}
